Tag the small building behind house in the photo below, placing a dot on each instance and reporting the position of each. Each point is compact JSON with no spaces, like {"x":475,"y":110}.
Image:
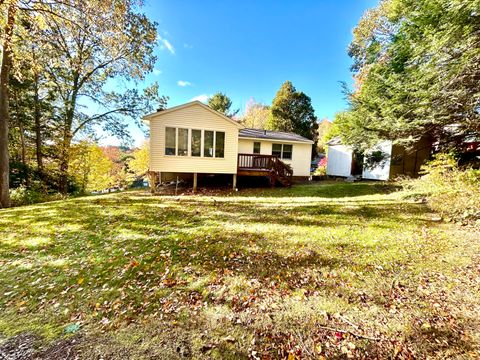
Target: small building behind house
{"x":384,"y":161}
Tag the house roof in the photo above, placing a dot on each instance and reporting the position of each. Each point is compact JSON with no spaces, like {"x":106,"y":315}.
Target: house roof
{"x":192,"y":103}
{"x":335,"y":141}
{"x":272,"y":135}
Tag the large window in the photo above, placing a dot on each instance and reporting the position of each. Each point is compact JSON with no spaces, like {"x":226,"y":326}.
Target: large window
{"x":219,"y":144}
{"x":177,"y":142}
{"x":282,"y":151}
{"x":182,"y":142}
{"x":170,"y":141}
{"x":208,"y":143}
{"x":256,"y":147}
{"x":196,"y":142}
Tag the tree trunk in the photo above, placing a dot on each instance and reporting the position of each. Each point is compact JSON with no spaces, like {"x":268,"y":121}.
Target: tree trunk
{"x":67,"y":136}
{"x":64,"y":160}
{"x":24,"y":154}
{"x":4,"y":111}
{"x":38,"y":128}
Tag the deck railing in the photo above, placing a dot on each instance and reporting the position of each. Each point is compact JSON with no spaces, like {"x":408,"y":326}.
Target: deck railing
{"x":264,"y":162}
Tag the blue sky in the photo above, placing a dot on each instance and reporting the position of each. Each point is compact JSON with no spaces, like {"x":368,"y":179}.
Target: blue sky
{"x":249,"y":48}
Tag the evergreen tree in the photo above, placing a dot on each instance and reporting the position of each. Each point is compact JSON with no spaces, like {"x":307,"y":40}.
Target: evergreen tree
{"x":221,"y":102}
{"x":292,"y":111}
{"x":417,"y":70}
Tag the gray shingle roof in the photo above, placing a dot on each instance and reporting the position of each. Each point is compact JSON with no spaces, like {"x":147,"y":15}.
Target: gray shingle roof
{"x":272,"y":135}
{"x":335,"y":141}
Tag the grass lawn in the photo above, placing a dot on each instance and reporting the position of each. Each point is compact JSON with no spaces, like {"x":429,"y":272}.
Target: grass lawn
{"x":334,"y":270}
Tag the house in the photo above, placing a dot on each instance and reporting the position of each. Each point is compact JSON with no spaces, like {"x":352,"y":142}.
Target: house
{"x":389,"y":160}
{"x":193,"y":139}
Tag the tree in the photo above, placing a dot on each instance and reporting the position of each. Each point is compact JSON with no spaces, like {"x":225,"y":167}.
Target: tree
{"x":82,"y":47}
{"x":97,"y":45}
{"x":20,"y":19}
{"x":420,"y":79}
{"x":324,"y":128}
{"x":256,"y":115}
{"x":90,"y":167}
{"x":139,"y":164}
{"x":292,"y":111}
{"x":7,"y":54}
{"x":221,"y":102}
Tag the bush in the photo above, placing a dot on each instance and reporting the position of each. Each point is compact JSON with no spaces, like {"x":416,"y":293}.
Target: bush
{"x":451,"y":190}
{"x":320,"y":171}
{"x":25,"y":196}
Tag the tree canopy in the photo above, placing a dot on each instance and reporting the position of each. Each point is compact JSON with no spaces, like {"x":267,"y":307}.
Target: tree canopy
{"x":256,"y":115}
{"x":324,"y":128}
{"x":221,"y":103}
{"x":59,"y":59}
{"x":292,"y":111}
{"x":417,"y":71}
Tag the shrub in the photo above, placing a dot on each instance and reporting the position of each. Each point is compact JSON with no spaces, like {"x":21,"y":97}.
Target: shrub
{"x":451,"y":190}
{"x":320,"y":171}
{"x":27,"y":196}
{"x":23,"y":196}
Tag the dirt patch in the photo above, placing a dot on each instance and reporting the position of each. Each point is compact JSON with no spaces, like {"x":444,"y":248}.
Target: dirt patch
{"x":29,"y":346}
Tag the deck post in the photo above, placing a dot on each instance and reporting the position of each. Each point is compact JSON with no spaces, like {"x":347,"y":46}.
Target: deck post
{"x":234,"y":181}
{"x":194,"y":183}
{"x":152,"y":180}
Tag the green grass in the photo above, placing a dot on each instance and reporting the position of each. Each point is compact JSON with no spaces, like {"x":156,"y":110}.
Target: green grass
{"x":256,"y":273}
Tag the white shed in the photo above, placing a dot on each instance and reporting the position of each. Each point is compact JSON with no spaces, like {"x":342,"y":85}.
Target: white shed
{"x":381,"y":171}
{"x":341,"y":161}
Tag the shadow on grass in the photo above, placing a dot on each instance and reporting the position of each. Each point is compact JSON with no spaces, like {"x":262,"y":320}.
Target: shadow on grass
{"x":133,"y":254}
{"x":328,"y":190}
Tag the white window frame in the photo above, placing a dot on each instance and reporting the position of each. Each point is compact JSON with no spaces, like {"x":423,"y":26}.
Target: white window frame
{"x":189,"y":142}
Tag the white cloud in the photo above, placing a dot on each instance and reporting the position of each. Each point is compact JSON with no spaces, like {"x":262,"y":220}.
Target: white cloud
{"x":165,"y":44}
{"x":187,"y":46}
{"x":203,"y":98}
{"x":183,"y":83}
{"x":157,"y":72}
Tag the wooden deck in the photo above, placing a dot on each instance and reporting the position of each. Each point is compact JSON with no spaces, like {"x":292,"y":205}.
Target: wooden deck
{"x":265,"y":165}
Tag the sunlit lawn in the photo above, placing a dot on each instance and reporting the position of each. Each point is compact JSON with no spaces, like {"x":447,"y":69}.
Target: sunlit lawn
{"x":315,"y":270}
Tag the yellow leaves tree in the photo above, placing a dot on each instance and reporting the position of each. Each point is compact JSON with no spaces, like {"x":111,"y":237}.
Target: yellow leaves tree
{"x":139,"y":164}
{"x":256,"y":115}
{"x":324,"y":128}
{"x":90,"y":167}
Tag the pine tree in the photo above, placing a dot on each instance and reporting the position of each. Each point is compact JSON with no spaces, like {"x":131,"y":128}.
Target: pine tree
{"x":292,"y":111}
{"x":221,"y":102}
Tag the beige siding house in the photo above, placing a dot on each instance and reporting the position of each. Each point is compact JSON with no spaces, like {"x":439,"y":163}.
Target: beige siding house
{"x":193,"y":139}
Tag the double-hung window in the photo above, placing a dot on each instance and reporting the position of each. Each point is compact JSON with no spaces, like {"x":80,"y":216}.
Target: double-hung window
{"x":256,"y":147}
{"x":287,"y":152}
{"x":282,"y":151}
{"x":277,"y":150}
